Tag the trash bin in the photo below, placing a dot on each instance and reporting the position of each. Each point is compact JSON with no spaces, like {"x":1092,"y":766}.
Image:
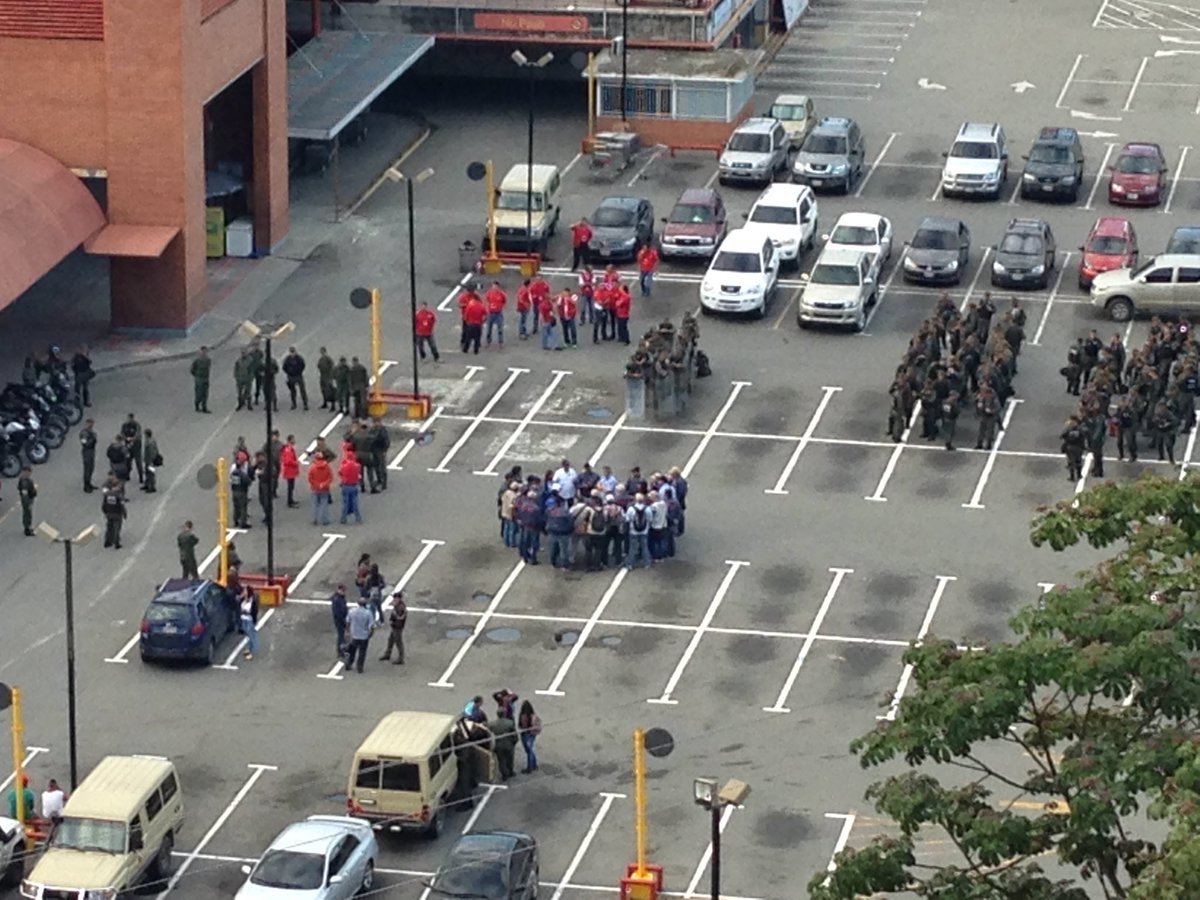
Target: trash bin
{"x":239,"y":238}
{"x":468,"y":256}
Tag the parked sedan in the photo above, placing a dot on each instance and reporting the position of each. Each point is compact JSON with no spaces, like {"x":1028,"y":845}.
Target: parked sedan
{"x":187,"y":620}
{"x":1025,"y":255}
{"x":621,"y":226}
{"x":1111,"y":244}
{"x":939,"y":251}
{"x":862,"y":231}
{"x":489,"y":865}
{"x":1139,"y":176}
{"x":321,"y":858}
{"x":1184,"y":239}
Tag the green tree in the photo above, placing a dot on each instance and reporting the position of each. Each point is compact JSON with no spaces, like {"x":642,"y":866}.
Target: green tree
{"x":1088,"y":716}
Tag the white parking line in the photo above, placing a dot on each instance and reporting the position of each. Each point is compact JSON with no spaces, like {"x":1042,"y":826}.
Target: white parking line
{"x":983,"y":260}
{"x":31,"y":753}
{"x":256,"y":773}
{"x":608,"y":439}
{"x":444,"y":306}
{"x":874,"y":165}
{"x":584,"y":633}
{"x":490,"y":468}
{"x":937,"y":192}
{"x":1137,"y":79}
{"x":1108,"y":149}
{"x":809,"y":640}
{"x":882,"y":293}
{"x":480,"y":625}
{"x":1058,"y":104}
{"x":1183,"y":152}
{"x":513,"y":374}
{"x":396,"y":464}
{"x":593,"y":829}
{"x":894,"y":459}
{"x":1016,"y":192}
{"x":713,"y":428}
{"x":1085,"y":470}
{"x":990,"y":463}
{"x":489,"y":789}
{"x":698,"y":634}
{"x":926,"y":624}
{"x":638,"y":175}
{"x":1037,"y":335}
{"x":842,"y":840}
{"x":826,"y":396}
{"x":1191,"y":445}
{"x":706,"y":856}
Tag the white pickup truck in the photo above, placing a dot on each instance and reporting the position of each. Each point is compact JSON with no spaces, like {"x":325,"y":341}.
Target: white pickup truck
{"x":12,"y":860}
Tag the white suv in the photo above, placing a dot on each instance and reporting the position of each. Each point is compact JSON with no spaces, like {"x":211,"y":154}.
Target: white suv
{"x":742,"y":276}
{"x":977,"y":163}
{"x":757,"y":149}
{"x":840,"y":289}
{"x":787,"y":214}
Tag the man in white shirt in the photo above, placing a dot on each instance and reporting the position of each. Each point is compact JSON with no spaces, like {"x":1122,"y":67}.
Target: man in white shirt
{"x":53,"y":800}
{"x":564,"y":478}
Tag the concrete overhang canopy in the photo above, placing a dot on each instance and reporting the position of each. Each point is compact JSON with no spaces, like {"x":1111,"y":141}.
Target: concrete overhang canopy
{"x":45,"y":213}
{"x":139,"y":241}
{"x":725,"y":65}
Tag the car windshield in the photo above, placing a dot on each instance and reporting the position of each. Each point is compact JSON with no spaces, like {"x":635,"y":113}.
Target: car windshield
{"x":749,"y":142}
{"x":291,"y":870}
{"x":731,"y":261}
{"x":613,"y":217}
{"x":516,"y":200}
{"x":773,"y":215}
{"x":1138,"y":165}
{"x":477,"y":869}
{"x":691,"y":214}
{"x":1048,"y":153}
{"x":788,"y":112}
{"x":167,"y":612}
{"x":934,"y":239}
{"x":829,"y":273}
{"x":90,"y":834}
{"x":974,"y":150}
{"x":825,"y":144}
{"x":1109,"y":245}
{"x":1184,"y":240}
{"x":862,"y":235}
{"x":1021,"y":244}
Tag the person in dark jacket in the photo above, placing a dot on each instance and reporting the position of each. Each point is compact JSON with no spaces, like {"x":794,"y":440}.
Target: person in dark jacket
{"x":293,"y":370}
{"x":340,"y":607}
{"x":531,"y":518}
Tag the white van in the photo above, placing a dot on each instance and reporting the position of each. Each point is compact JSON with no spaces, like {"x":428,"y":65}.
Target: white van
{"x":526,"y":213}
{"x":787,"y":214}
{"x":795,"y":111}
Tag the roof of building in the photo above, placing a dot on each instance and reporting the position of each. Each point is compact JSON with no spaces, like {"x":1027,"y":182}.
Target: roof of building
{"x":711,"y":65}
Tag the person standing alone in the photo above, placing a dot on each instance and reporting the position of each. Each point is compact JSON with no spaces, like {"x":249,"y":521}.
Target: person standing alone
{"x":27,"y":492}
{"x":529,"y":726}
{"x":201,"y":372}
{"x":397,"y":619}
{"x":426,"y":322}
{"x":87,"y":447}
{"x":187,"y":542}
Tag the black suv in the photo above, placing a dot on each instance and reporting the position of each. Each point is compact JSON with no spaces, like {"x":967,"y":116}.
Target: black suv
{"x":1054,"y":166}
{"x":187,"y":620}
{"x":1025,"y":255}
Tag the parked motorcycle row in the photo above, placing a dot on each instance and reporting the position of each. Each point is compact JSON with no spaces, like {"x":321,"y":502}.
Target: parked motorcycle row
{"x":35,"y":419}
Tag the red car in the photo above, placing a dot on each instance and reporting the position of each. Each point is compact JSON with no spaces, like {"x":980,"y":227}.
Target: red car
{"x":1139,"y":176}
{"x":1111,"y":244}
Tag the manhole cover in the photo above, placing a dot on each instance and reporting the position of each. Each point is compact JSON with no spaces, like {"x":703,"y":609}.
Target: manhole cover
{"x":481,"y":597}
{"x":566,"y":638}
{"x":503,"y":635}
{"x":425,"y":437}
{"x":458,"y":634}
{"x":600,"y":413}
{"x":611,"y":640}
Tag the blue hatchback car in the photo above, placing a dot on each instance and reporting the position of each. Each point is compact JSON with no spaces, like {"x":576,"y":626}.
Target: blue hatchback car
{"x":187,"y":620}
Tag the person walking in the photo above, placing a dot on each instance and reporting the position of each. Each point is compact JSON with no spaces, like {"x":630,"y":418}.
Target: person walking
{"x":153,"y":459}
{"x":201,"y":372}
{"x":187,"y":542}
{"x":381,"y":442}
{"x":289,"y":468}
{"x":248,"y":618}
{"x":529,"y":726}
{"x":496,"y":299}
{"x":374,"y":585}
{"x":426,"y":323}
{"x":340,"y":607}
{"x":350,"y":476}
{"x":27,"y":492}
{"x":397,"y":619}
{"x":112,"y":505}
{"x":360,"y":624}
{"x":87,"y":449}
{"x":647,"y":260}
{"x":1072,"y":447}
{"x":325,"y":379}
{"x":293,"y":371}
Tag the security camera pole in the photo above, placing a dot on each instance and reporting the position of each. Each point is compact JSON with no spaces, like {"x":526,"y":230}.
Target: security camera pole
{"x":705,"y":793}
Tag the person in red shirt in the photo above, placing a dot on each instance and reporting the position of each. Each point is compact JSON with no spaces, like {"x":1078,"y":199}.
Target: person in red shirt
{"x":468,"y":294}
{"x":602,"y":324}
{"x":524,"y":305}
{"x":611,"y":276}
{"x":581,"y":236}
{"x":568,"y":309}
{"x":587,"y":292}
{"x":425,"y":322}
{"x":350,"y":475}
{"x":550,"y":338}
{"x":621,"y":306}
{"x":289,"y":468}
{"x":539,"y":290}
{"x":496,"y":301}
{"x":473,"y":318}
{"x":647,"y":264}
{"x":320,"y":482}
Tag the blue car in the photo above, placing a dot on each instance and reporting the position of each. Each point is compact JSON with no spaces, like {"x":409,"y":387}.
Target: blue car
{"x":187,"y":620}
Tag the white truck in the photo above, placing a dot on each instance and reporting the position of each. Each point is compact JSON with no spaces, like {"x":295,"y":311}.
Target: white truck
{"x":12,"y":852}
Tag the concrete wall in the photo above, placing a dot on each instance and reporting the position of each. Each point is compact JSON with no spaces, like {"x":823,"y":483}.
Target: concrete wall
{"x":673,"y":132}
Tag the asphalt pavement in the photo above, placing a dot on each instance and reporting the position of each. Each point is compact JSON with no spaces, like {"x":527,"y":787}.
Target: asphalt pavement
{"x":816,"y":548}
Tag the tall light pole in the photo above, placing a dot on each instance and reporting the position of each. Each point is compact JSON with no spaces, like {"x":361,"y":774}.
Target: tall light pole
{"x":532,"y":65}
{"x":705,"y":793}
{"x":624,"y":59}
{"x":54,"y":536}
{"x":396,"y":175}
{"x":269,"y":332}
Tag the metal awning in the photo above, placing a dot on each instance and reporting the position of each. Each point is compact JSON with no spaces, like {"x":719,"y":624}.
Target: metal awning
{"x":335,"y":77}
{"x":140,"y":241}
{"x":45,"y":213}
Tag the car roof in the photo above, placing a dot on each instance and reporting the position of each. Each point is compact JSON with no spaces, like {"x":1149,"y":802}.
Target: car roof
{"x":979,"y":131}
{"x":623,"y":202}
{"x":309,"y":836}
{"x":1037,"y":225}
{"x":939,"y":223}
{"x":1175,"y":259}
{"x":1111,"y":226}
{"x":743,"y":240}
{"x":783,"y":191}
{"x":1053,"y":134}
{"x":758,"y":123}
{"x":1139,"y":149}
{"x":406,"y":735}
{"x":117,"y":787}
{"x":179,"y":591}
{"x":836,"y":124}
{"x":1187,"y":229}
{"x":858,"y":219}
{"x":697,"y":196}
{"x":790,"y":99}
{"x":841,"y":256}
{"x":492,"y":840}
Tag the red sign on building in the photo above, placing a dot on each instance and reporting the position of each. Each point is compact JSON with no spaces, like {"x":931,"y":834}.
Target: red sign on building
{"x":530,"y":23}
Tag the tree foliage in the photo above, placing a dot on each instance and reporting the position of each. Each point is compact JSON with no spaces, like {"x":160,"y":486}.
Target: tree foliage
{"x":1053,"y":750}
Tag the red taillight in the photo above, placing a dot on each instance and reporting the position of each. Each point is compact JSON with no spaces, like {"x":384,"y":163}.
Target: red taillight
{"x":198,"y":629}
{"x":145,"y":626}
{"x":425,"y":813}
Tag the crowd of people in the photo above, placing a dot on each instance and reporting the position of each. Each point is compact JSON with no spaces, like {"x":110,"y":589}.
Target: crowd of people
{"x":955,"y":358}
{"x":591,"y":519}
{"x":1150,"y":393}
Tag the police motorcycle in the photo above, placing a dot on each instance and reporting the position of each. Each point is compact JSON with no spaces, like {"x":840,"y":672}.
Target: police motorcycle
{"x":21,"y":434}
{"x":44,"y":400}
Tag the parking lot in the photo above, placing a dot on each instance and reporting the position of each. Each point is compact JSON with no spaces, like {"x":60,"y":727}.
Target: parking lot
{"x":816,"y":547}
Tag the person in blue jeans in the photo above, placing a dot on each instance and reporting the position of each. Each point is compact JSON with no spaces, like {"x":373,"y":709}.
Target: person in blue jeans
{"x":529,"y":726}
{"x":340,"y":608}
{"x":248,"y":609}
{"x":560,"y":525}
{"x":550,"y":340}
{"x":638,"y":519}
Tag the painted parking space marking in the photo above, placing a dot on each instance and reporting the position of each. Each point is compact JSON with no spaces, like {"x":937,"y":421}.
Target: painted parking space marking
{"x":1037,"y":335}
{"x":1091,"y":200}
{"x":490,"y":468}
{"x":887,"y":145}
{"x":554,"y":688}
{"x":843,"y":838}
{"x":608,"y":799}
{"x":713,"y":428}
{"x":513,"y":374}
{"x":810,"y":639}
{"x":805,"y":439}
{"x":480,"y":626}
{"x":397,"y":464}
{"x":907,"y":673}
{"x":706,"y":856}
{"x":336,"y":419}
{"x":1177,"y":177}
{"x":31,"y":753}
{"x":977,"y":497}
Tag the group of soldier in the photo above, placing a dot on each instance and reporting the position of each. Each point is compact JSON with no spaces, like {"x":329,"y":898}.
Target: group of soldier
{"x":956,"y":357}
{"x":1150,"y":392}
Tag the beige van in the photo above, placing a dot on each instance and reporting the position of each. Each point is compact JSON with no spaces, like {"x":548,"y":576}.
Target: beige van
{"x":405,"y":774}
{"x":118,"y":827}
{"x":516,"y":227}
{"x":795,"y":111}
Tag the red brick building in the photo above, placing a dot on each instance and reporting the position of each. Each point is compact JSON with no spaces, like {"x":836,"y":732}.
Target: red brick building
{"x":118,"y":91}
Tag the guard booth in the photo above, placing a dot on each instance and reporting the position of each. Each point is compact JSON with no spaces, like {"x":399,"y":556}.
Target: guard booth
{"x":677,"y":99}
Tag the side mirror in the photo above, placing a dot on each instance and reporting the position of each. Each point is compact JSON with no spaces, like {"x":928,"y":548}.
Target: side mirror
{"x":868,"y":280}
{"x":135,"y":842}
{"x":1026,"y":158}
{"x":246,"y":869}
{"x":946,"y":154}
{"x":1081,"y":248}
{"x":664,"y":220}
{"x":824,"y":237}
{"x":746,"y":215}
{"x":336,"y":879}
{"x":1004,"y":156}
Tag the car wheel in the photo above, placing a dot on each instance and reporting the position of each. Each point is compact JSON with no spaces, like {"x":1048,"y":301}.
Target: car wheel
{"x":160,"y":869}
{"x":860,"y":322}
{"x":368,"y":878}
{"x":1120,"y":309}
{"x":436,"y":823}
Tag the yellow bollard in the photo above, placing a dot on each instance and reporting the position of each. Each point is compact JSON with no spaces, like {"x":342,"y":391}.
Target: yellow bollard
{"x":18,"y":751}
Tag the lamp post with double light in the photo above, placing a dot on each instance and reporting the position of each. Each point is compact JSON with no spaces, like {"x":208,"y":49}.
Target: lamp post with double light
{"x":707,"y":795}
{"x":396,"y":176}
{"x":532,"y":66}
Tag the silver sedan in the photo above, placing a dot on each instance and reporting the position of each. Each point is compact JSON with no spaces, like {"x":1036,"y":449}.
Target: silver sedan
{"x":321,"y":858}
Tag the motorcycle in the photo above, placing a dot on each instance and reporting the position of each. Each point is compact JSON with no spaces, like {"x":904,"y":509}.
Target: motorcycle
{"x":18,"y":433}
{"x":10,"y":457}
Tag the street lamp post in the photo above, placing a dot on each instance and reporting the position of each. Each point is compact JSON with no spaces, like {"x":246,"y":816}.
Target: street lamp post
{"x":532,"y":65}
{"x":54,"y":536}
{"x":395,"y":174}
{"x":705,"y":793}
{"x":624,"y":60}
